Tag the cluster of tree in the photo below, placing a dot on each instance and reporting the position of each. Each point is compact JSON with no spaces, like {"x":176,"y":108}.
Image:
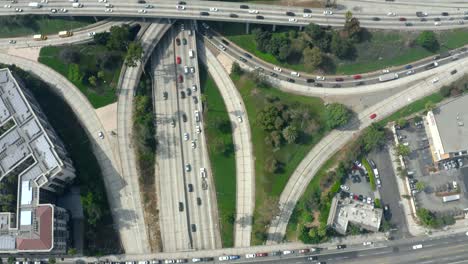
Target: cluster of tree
{"x":457,"y":88}
{"x":276,"y":44}
{"x":428,"y":40}
{"x":223,"y":145}
{"x":337,"y":115}
{"x":432,"y":220}
{"x":29,"y":21}
{"x":8,"y":189}
{"x":121,"y":38}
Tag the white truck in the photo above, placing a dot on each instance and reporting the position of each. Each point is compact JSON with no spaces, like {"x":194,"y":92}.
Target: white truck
{"x":34,"y":5}
{"x":64,"y":34}
{"x":77,"y":5}
{"x":388,"y":77}
{"x":39,"y":37}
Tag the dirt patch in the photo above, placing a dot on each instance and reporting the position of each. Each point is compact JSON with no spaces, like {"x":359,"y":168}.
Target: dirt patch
{"x":27,"y":53}
{"x":151,"y":214}
{"x":225,"y":61}
{"x":108,"y":117}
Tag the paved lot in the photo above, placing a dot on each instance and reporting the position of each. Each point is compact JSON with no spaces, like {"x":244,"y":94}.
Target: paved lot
{"x":389,"y":192}
{"x":358,"y":184}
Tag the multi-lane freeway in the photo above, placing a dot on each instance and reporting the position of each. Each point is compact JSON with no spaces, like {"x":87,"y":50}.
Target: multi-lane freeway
{"x":186,"y":191}
{"x":234,"y":12}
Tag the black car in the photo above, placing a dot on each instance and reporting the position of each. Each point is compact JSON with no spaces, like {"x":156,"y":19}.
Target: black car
{"x":359,"y":83}
{"x":194,"y":228}
{"x":225,"y":42}
{"x":318,"y":85}
{"x":259,"y":17}
{"x":307,"y":10}
{"x":276,"y":253}
{"x":273,"y":74}
{"x":189,"y":92}
{"x":423,"y":19}
{"x":203,"y":13}
{"x":244,"y":6}
{"x":177,"y":41}
{"x":181,"y":3}
{"x":408,"y":24}
{"x":248,"y":55}
{"x":310,"y":80}
{"x":195,"y":99}
{"x":233,"y":15}
{"x":453,"y":72}
{"x":445,"y":13}
{"x":291,"y":80}
{"x":340,"y":246}
{"x":181,"y":207}
{"x":376,"y":19}
{"x":198,"y":201}
{"x":289,"y":13}
{"x":141,"y":1}
{"x":184,"y":117}
{"x":207,"y":259}
{"x":242,"y":59}
{"x":437,"y":19}
{"x":190,"y":187}
{"x":165,"y":95}
{"x":182,"y":94}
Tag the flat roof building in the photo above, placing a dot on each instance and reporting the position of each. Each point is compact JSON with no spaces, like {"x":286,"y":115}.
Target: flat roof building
{"x":32,"y":154}
{"x":346,"y":211}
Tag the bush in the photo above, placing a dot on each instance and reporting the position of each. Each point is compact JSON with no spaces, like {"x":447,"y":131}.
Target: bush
{"x":337,"y":115}
{"x":236,"y":69}
{"x":428,"y":40}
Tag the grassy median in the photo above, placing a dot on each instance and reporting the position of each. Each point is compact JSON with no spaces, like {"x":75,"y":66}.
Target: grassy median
{"x":222,"y":157}
{"x":370,"y":172}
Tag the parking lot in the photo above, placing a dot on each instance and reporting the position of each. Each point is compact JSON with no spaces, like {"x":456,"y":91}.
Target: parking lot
{"x":443,"y":179}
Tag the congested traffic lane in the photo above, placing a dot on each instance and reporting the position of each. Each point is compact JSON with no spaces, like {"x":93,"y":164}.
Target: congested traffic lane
{"x":225,"y":11}
{"x":253,"y":62}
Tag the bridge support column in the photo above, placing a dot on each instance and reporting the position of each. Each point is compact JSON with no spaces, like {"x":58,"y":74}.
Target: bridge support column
{"x":95,"y":19}
{"x":301,"y":28}
{"x":274,"y":28}
{"x":247,"y":27}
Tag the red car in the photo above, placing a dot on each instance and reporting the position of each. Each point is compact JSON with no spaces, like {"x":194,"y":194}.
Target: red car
{"x":402,"y":19}
{"x":373,"y":116}
{"x":261,"y":254}
{"x":178,"y":60}
{"x":181,"y":79}
{"x":339,"y":79}
{"x":357,"y":77}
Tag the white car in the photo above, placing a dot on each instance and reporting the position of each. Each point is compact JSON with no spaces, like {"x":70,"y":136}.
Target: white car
{"x":287,"y":252}
{"x":186,"y":136}
{"x":108,"y":10}
{"x":278,"y":69}
{"x":221,"y":47}
{"x":213,"y":9}
{"x":7,"y":6}
{"x":12,"y":41}
{"x":180,"y":7}
{"x":90,"y":34}
{"x":203,"y":173}
{"x":142,"y":11}
{"x":223,"y":258}
{"x":320,"y":78}
{"x":391,"y":14}
{"x":53,"y":10}
{"x":344,"y":188}
{"x":102,"y":1}
{"x":198,"y":129}
{"x":296,"y":74}
{"x":435,"y":80}
{"x":328,"y":12}
{"x":194,"y":144}
{"x":379,"y":184}
{"x":306,"y":15}
{"x":239,"y":118}
{"x":419,"y":246}
{"x":194,"y":88}
{"x":367,"y":243}
{"x":369,"y":200}
{"x":188,"y":167}
{"x":101,"y":135}
{"x":249,"y":255}
{"x":192,"y":69}
{"x":385,"y":71}
{"x":437,"y":23}
{"x":292,"y":20}
{"x":252,"y":11}
{"x":409,"y":72}
{"x":196,"y":260}
{"x":18,"y":10}
{"x":466,"y":233}
{"x":63,"y":10}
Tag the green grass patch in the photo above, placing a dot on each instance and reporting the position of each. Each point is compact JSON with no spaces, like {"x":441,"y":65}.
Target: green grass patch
{"x":16,"y":26}
{"x":100,"y":237}
{"x":223,"y":164}
{"x":370,"y":172}
{"x":87,"y":60}
{"x":269,"y":185}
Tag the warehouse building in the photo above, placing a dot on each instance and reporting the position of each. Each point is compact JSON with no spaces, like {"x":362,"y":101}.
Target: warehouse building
{"x":31,"y":154}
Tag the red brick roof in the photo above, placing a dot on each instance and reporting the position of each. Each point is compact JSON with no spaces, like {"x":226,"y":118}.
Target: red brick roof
{"x":45,"y":222}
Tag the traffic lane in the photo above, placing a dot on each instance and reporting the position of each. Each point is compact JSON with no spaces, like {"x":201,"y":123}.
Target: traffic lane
{"x":389,"y":192}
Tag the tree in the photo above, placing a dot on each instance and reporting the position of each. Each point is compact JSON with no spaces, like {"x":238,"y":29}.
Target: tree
{"x":402,"y":122}
{"x":272,"y":165}
{"x":420,"y":186}
{"x":426,"y":217}
{"x":290,"y":134}
{"x":428,"y":40}
{"x":262,"y":39}
{"x":119,"y":37}
{"x":446,"y":91}
{"x":312,"y":58}
{"x":11,"y":260}
{"x":429,"y":106}
{"x":352,"y":27}
{"x":266,"y":117}
{"x":314,"y":31}
{"x":223,"y":125}
{"x":72,"y":251}
{"x":92,"y":80}
{"x":403,"y":150}
{"x":337,"y":115}
{"x":101,"y":38}
{"x":134,"y":54}
{"x":236,"y":69}
{"x":340,"y":47}
{"x":276,"y":139}
{"x":52,"y":260}
{"x":100,"y":75}
{"x":372,"y":138}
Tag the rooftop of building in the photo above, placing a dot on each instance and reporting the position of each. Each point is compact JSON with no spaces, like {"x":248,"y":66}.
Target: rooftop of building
{"x":452,"y":124}
{"x":348,"y":211}
{"x":26,"y":151}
